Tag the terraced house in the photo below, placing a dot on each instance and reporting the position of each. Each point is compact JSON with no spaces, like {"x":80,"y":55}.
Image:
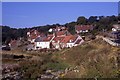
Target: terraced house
{"x":59,"y":39}
{"x":115,"y":34}
{"x":83,"y":28}
{"x":32,"y":35}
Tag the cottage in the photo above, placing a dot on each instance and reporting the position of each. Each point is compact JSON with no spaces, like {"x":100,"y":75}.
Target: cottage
{"x":62,"y":33}
{"x":71,"y":41}
{"x":60,"y":28}
{"x":57,"y":29}
{"x":13,"y":44}
{"x":44,"y":42}
{"x":116,"y":27}
{"x":83,"y":28}
{"x":57,"y":42}
{"x":75,"y":41}
{"x":32,"y":35}
{"x":114,"y":36}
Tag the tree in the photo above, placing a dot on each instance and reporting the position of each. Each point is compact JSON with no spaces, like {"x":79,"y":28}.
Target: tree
{"x":92,"y":19}
{"x":81,"y":20}
{"x":119,"y":18}
{"x":101,"y":17}
{"x":113,"y":19}
{"x":71,"y":27}
{"x":104,"y":20}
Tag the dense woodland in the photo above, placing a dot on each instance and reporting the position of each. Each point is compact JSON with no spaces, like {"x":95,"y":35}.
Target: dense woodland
{"x":100,"y":22}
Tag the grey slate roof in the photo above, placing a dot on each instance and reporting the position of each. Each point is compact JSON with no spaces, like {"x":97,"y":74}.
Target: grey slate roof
{"x":39,"y":39}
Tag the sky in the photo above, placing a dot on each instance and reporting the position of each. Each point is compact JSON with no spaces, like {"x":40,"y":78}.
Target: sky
{"x":119,"y":7}
{"x":59,"y":0}
{"x":30,"y":14}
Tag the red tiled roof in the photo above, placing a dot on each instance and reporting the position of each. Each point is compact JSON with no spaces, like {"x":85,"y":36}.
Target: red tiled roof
{"x":63,"y":27}
{"x":67,"y":39}
{"x":13,"y":42}
{"x":56,"y":39}
{"x":60,"y":33}
{"x":34,"y":34}
{"x":42,"y":34}
{"x":83,"y":27}
{"x":48,"y":38}
{"x":70,"y":38}
{"x":73,"y":38}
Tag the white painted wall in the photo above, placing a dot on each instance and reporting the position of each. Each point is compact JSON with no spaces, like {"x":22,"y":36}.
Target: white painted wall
{"x":73,"y":43}
{"x":42,"y":44}
{"x":81,"y":31}
{"x":70,"y":45}
{"x":79,"y":37}
{"x":57,"y":45}
{"x":113,"y":29}
{"x":33,"y":40}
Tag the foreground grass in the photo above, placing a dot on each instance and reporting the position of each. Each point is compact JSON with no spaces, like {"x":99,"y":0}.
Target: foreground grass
{"x":93,"y":59}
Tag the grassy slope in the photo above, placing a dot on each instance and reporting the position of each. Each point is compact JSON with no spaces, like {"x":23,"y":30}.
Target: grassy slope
{"x":94,"y":59}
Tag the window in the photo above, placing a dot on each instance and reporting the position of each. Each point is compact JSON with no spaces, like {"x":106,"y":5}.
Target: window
{"x":80,"y":30}
{"x":86,"y":30}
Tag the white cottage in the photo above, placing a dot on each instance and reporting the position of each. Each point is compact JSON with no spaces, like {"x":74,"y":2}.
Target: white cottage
{"x":70,"y":41}
{"x":32,"y":35}
{"x":83,"y":28}
{"x":43,"y":43}
{"x":75,"y":41}
{"x":57,"y":42}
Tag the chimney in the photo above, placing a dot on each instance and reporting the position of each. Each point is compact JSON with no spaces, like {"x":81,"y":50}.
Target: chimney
{"x":66,"y":32}
{"x":55,"y":34}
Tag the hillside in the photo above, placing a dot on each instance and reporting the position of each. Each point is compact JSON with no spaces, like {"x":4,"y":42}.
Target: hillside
{"x":104,"y":22}
{"x":93,"y":59}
